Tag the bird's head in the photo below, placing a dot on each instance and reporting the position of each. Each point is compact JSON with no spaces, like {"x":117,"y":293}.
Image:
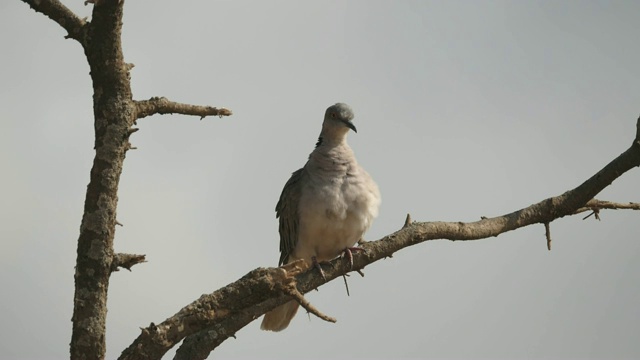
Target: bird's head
{"x":337,"y":120}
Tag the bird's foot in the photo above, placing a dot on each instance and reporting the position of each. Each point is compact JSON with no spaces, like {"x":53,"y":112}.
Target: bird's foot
{"x":318,"y":265}
{"x":348,"y":253}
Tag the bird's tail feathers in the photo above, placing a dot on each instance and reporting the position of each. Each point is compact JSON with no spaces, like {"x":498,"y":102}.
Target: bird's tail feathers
{"x":279,"y":318}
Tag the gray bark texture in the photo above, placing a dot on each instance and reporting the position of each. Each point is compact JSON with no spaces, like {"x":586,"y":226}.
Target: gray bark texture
{"x":208,"y":321}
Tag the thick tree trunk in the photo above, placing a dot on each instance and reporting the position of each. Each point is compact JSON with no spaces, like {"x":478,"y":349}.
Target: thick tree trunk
{"x":114,"y":112}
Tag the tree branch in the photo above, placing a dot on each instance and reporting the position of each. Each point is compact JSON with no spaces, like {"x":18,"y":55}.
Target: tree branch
{"x":595,"y":205}
{"x":126,"y":261}
{"x":162,"y":105}
{"x":59,"y":13}
{"x":213,"y":318}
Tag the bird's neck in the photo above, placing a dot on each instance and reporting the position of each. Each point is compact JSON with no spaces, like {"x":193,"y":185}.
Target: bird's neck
{"x":331,"y":141}
{"x":332,"y":155}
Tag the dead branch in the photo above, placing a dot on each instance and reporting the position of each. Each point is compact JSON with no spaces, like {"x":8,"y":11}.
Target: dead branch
{"x":59,"y":13}
{"x":126,"y":261}
{"x":254,"y":293}
{"x":595,"y":205}
{"x":162,"y":105}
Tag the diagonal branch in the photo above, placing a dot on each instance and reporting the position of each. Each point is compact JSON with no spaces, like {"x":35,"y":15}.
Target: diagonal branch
{"x":210,"y":320}
{"x":162,"y":105}
{"x":59,"y":13}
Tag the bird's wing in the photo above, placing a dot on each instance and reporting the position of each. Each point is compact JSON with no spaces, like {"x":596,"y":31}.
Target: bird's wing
{"x":287,"y":212}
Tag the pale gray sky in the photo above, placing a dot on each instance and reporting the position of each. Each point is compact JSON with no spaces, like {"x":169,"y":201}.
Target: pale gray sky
{"x":464,"y":109}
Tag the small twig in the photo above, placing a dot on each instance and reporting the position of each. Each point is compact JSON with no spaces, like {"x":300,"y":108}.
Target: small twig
{"x":126,"y":261}
{"x":285,"y":281}
{"x":162,"y":105}
{"x":595,"y":204}
{"x":292,"y":291}
{"x":360,"y":272}
{"x":547,"y":231}
{"x":118,"y":223}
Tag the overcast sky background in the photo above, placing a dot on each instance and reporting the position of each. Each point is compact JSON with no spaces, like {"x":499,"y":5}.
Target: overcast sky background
{"x":464,"y":109}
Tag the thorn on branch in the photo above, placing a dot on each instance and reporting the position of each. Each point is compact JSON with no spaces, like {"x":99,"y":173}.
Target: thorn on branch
{"x":596,"y":212}
{"x":407,"y":221}
{"x":359,"y":271}
{"x":118,"y":223}
{"x":346,"y":285}
{"x":547,"y":231}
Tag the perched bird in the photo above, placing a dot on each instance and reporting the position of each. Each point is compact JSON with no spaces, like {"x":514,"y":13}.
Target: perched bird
{"x":325,"y":207}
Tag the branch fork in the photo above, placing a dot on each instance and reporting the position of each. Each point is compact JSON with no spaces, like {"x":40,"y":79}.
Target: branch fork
{"x":286,"y":283}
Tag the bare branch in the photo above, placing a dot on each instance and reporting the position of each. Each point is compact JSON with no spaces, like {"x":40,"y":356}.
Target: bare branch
{"x":162,"y":105}
{"x":59,"y":13}
{"x":126,"y":261}
{"x":239,"y":303}
{"x":595,"y":205}
{"x":235,"y":305}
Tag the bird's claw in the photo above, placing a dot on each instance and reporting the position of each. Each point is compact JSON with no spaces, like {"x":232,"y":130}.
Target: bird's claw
{"x":316,"y":264}
{"x":348,"y":252}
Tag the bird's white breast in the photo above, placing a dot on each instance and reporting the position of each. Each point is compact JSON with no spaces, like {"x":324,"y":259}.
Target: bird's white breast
{"x":337,"y":208}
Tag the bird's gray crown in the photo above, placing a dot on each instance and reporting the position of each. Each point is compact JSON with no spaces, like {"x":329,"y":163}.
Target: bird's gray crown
{"x":340,"y":111}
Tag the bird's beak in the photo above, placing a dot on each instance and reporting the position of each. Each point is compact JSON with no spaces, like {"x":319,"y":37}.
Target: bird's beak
{"x":350,"y":125}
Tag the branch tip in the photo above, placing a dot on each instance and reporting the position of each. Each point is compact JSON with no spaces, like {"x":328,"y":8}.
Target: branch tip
{"x":126,"y":261}
{"x":299,"y":298}
{"x":162,"y":105}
